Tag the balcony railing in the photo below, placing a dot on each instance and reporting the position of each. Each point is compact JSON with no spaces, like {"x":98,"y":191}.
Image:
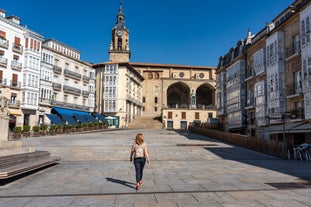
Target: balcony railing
{"x":186,"y":106}
{"x":57,"y":86}
{"x":15,"y":84}
{"x":57,"y":69}
{"x":16,"y":65}
{"x":297,"y":114}
{"x":72,"y":90}
{"x":85,"y":78}
{"x":17,"y":48}
{"x":69,"y":105}
{"x":4,"y":43}
{"x":3,"y":81}
{"x":3,"y":61}
{"x":72,"y":74}
{"x":14,"y":104}
{"x":292,"y":50}
{"x":85,"y":93}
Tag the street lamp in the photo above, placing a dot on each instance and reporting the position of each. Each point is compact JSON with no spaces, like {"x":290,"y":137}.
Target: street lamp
{"x":284,"y":135}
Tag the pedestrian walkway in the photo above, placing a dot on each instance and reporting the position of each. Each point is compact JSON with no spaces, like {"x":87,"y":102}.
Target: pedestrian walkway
{"x":186,"y":170}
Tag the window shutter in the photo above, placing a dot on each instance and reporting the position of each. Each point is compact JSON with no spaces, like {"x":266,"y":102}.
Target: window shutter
{"x":2,"y":34}
{"x":14,"y":78}
{"x":17,"y":40}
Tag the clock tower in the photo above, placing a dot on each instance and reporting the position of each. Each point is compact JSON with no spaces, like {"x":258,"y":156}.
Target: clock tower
{"x":119,"y":50}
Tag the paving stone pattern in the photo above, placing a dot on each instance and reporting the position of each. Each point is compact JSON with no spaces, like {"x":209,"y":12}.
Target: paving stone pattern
{"x":186,"y":170}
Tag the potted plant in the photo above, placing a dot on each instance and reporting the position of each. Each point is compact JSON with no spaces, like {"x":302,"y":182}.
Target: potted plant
{"x":44,"y":129}
{"x":17,"y":132}
{"x":85,"y":126}
{"x":67,"y":128}
{"x":105,"y":124}
{"x":79,"y":127}
{"x":91,"y":126}
{"x":73,"y":128}
{"x":52,"y":130}
{"x":36,"y":131}
{"x":26,"y":131}
{"x":59,"y":128}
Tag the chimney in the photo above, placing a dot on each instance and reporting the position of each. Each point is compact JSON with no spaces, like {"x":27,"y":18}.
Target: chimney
{"x":14,"y":19}
{"x":2,"y":13}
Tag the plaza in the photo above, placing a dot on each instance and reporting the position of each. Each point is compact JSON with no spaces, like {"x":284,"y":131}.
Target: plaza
{"x":186,"y":169}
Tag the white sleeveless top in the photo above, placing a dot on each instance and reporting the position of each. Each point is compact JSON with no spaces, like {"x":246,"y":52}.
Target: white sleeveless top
{"x":139,"y":150}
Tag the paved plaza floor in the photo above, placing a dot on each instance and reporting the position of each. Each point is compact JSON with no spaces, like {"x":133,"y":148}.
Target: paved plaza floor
{"x":186,"y":170}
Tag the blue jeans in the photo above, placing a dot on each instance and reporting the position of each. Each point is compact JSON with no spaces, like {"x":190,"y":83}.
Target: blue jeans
{"x":139,"y":168}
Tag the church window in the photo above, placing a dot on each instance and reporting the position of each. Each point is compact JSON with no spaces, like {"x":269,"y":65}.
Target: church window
{"x":181,"y":74}
{"x":119,"y":43}
{"x":150,"y":75}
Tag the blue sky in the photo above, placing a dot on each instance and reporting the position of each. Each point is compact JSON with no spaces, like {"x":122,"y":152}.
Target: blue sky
{"x":187,"y":32}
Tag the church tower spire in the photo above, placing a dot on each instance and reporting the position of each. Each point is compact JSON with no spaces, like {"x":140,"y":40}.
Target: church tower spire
{"x":119,"y":50}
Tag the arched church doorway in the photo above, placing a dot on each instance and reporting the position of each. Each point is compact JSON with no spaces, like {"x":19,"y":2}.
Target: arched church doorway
{"x":178,"y":95}
{"x":205,"y":96}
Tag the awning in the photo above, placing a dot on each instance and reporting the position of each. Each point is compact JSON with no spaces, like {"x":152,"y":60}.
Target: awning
{"x":99,"y":116}
{"x":303,"y":128}
{"x":90,"y":118}
{"x":66,"y":114}
{"x":68,"y":118}
{"x":54,"y":119}
{"x":280,"y":128}
{"x":15,"y":112}
{"x":80,"y":117}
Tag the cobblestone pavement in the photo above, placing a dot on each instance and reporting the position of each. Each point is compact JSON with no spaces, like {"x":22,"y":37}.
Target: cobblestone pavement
{"x":186,"y":170}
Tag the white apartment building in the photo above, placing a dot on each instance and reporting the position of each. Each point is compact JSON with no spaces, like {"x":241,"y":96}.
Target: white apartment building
{"x":20,"y":57}
{"x":66,"y":82}
{"x":119,"y":92}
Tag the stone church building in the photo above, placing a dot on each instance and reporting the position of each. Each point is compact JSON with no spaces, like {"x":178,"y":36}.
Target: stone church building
{"x":175,"y":95}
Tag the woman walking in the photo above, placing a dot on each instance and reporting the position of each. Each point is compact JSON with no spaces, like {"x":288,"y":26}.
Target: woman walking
{"x":140,"y":152}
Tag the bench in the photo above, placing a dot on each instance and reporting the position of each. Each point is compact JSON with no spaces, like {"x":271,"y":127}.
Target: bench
{"x":13,"y":165}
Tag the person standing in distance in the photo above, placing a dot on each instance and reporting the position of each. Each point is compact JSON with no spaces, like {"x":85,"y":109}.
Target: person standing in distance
{"x":140,"y":152}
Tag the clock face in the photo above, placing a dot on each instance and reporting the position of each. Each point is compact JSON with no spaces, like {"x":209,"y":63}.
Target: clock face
{"x":119,"y":32}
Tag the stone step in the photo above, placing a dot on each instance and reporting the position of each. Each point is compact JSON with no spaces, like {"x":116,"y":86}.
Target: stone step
{"x":15,"y":150}
{"x":145,"y":123}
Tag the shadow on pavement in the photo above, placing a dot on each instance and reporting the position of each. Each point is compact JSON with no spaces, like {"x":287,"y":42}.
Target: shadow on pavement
{"x":122,"y":182}
{"x":295,"y":168}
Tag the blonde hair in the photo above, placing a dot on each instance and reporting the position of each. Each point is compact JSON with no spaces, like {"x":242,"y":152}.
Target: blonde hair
{"x":139,"y":139}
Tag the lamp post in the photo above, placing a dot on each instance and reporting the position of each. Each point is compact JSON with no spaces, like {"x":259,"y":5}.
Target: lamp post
{"x":284,"y":134}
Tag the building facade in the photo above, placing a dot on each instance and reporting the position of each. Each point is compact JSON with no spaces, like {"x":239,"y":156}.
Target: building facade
{"x":66,"y":81}
{"x":20,"y":62}
{"x":277,"y":96}
{"x":38,"y":75}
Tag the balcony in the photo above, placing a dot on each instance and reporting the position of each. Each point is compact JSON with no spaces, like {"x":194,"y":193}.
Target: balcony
{"x":4,"y":43}
{"x":85,"y":93}
{"x":16,"y":65}
{"x":15,"y":84}
{"x":57,"y":86}
{"x":85,"y":79}
{"x":72,"y":90}
{"x":3,"y":61}
{"x":292,"y":50}
{"x":14,"y":104}
{"x":297,"y":114}
{"x":3,"y":81}
{"x":57,"y":70}
{"x":18,"y":48}
{"x":72,"y":74}
{"x":69,"y":105}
